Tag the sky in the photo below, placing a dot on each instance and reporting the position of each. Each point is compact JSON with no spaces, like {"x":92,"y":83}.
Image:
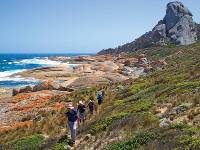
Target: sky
{"x":78,"y":26}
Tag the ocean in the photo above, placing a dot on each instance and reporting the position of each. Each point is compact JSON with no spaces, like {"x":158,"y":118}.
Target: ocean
{"x":14,"y":63}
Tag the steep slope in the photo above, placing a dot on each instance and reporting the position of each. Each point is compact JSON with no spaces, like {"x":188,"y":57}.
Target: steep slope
{"x":131,"y":117}
{"x":135,"y":111}
{"x":176,"y":27}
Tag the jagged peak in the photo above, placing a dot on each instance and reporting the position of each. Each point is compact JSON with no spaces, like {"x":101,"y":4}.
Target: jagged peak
{"x":177,"y":7}
{"x":177,"y":27}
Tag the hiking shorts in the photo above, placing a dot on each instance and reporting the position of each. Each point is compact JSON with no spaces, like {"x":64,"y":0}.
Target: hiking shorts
{"x":82,"y":116}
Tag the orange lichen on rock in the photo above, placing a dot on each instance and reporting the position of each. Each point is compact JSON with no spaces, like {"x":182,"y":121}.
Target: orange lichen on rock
{"x":16,"y":125}
{"x":59,"y":106}
{"x":22,"y":109}
{"x":20,"y":97}
{"x":29,"y":101}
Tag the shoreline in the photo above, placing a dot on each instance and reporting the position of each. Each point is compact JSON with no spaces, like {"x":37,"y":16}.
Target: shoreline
{"x":59,"y":81}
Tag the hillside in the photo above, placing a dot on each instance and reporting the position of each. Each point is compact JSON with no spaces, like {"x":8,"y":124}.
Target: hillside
{"x":176,"y":27}
{"x":144,"y":113}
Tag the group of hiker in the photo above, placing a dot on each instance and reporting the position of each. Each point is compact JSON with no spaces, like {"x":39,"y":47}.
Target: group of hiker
{"x":78,"y":115}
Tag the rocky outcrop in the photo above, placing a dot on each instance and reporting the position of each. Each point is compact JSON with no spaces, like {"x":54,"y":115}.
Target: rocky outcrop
{"x":159,"y":65}
{"x":176,"y":27}
{"x":46,"y":85}
{"x":24,"y":108}
{"x":179,"y":24}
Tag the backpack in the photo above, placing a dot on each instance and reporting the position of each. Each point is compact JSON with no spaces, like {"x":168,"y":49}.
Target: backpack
{"x":72,"y":115}
{"x":81,"y":108}
{"x":100,"y":97}
{"x":91,"y":104}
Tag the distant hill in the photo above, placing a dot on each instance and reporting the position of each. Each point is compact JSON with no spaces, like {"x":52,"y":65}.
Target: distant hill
{"x":176,"y":27}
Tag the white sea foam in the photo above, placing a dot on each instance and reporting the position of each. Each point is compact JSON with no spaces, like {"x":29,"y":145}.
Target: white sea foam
{"x":45,"y":62}
{"x":9,"y":73}
{"x":6,"y":76}
{"x":11,"y":79}
{"x":4,"y":60}
{"x":18,"y":79}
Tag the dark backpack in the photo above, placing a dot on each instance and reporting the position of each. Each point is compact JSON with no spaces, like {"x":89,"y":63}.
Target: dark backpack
{"x":81,"y":108}
{"x":91,"y":104}
{"x":72,"y":115}
{"x":100,"y":97}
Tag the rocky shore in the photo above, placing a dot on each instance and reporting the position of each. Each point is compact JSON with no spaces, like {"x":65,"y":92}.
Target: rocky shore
{"x":22,"y":106}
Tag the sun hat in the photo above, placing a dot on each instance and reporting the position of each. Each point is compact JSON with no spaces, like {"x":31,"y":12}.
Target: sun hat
{"x":70,"y":106}
{"x":80,"y":102}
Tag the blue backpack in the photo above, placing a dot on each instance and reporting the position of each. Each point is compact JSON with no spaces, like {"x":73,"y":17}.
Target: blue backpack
{"x":100,"y":98}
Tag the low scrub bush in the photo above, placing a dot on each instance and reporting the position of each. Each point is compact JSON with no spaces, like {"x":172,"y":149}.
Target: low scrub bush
{"x":190,"y":143}
{"x":136,"y":88}
{"x":140,"y":105}
{"x":188,"y":129}
{"x":133,"y":143}
{"x":31,"y":143}
{"x":105,"y":123}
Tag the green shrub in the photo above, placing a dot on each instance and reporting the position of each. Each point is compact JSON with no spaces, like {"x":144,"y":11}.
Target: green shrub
{"x":105,"y":123}
{"x":190,"y":143}
{"x":152,"y":90}
{"x":140,"y":105}
{"x":62,"y":143}
{"x":119,"y":103}
{"x":32,"y":143}
{"x":59,"y":146}
{"x":136,"y":88}
{"x":188,"y":129}
{"x":188,"y":84}
{"x":133,"y":143}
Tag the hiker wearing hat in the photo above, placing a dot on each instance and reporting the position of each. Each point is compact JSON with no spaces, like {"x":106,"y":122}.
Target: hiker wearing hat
{"x":72,"y":121}
{"x":81,"y":111}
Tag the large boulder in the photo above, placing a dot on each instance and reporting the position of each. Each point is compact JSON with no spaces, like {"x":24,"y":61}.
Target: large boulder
{"x":179,"y":24}
{"x":15,"y":92}
{"x":25,"y":89}
{"x":47,"y":85}
{"x":177,"y":27}
{"x":175,"y":12}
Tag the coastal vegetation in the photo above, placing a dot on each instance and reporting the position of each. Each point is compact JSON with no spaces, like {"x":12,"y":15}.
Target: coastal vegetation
{"x":132,"y":111}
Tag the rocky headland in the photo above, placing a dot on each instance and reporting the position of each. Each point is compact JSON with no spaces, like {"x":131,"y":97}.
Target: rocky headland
{"x":176,"y":27}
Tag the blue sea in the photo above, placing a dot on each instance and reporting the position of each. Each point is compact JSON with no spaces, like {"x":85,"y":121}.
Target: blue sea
{"x":14,"y":63}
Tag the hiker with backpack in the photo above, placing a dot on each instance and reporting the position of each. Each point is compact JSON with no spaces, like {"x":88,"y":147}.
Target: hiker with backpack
{"x":72,"y":121}
{"x":91,"y":106}
{"x":81,"y":111}
{"x":99,"y":97}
